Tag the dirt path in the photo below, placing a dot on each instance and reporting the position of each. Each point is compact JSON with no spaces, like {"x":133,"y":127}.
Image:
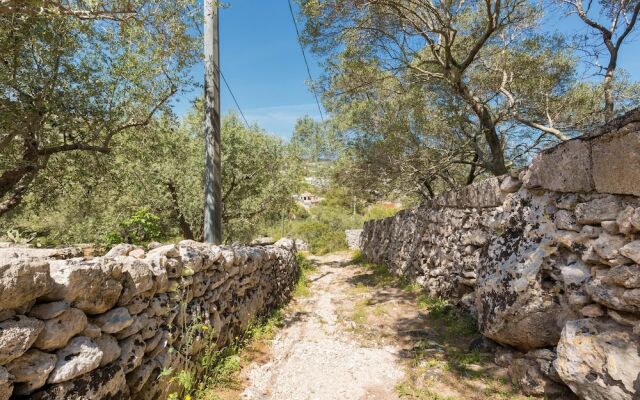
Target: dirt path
{"x":363,"y":333}
{"x":314,"y":356}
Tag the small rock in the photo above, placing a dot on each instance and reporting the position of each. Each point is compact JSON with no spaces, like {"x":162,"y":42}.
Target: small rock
{"x":607,"y":245}
{"x":80,"y":356}
{"x":627,"y":276}
{"x":93,"y":331}
{"x":57,"y":331}
{"x":31,"y":370}
{"x":49,"y":310}
{"x":566,"y":220}
{"x":510,"y":185}
{"x":598,"y":210}
{"x":113,"y":321}
{"x":591,"y":231}
{"x":624,"y":318}
{"x":139,"y":322}
{"x":137,"y":253}
{"x":139,"y":376}
{"x":527,"y":375}
{"x":629,"y":220}
{"x":122,"y":249}
{"x":17,"y":335}
{"x":632,"y":251}
{"x":610,"y":227}
{"x":592,"y":311}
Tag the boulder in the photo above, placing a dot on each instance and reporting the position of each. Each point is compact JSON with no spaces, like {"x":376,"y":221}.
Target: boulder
{"x":106,"y":383}
{"x":17,"y":335}
{"x":92,"y":286}
{"x":31,"y":370}
{"x":22,"y":280}
{"x":80,"y":356}
{"x":516,"y":304}
{"x":57,"y":331}
{"x":113,"y":321}
{"x":599,"y":360}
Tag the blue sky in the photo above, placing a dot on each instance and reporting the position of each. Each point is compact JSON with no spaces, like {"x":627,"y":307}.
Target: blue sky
{"x":261,"y":60}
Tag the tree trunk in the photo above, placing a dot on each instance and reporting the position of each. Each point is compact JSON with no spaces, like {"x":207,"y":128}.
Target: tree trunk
{"x":608,"y":87}
{"x":15,"y":182}
{"x":185,"y":228}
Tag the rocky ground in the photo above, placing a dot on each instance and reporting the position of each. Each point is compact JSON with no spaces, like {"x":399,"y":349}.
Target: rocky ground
{"x":362,"y":333}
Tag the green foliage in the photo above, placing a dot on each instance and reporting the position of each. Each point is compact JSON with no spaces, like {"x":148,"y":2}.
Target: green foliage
{"x":141,"y":228}
{"x":380,"y":211}
{"x":303,"y":282}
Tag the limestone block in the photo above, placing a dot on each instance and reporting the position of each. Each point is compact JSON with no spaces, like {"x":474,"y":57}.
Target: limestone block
{"x":137,"y":278}
{"x":6,"y":385}
{"x":632,"y":251}
{"x":17,"y":335}
{"x":31,"y":370}
{"x":132,"y":352}
{"x":616,"y":163}
{"x":627,"y":276}
{"x":22,"y":280}
{"x":599,"y":360}
{"x":80,"y":356}
{"x":598,"y":210}
{"x":527,"y":375}
{"x":106,"y":383}
{"x":91,"y":286}
{"x":113,"y":321}
{"x":57,"y":331}
{"x":49,"y":310}
{"x":110,"y":349}
{"x":564,"y":168}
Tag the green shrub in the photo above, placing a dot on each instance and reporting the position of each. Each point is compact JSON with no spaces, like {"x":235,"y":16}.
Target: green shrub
{"x":141,"y":228}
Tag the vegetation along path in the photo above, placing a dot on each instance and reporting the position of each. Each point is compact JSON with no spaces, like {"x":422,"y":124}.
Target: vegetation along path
{"x":355,"y":331}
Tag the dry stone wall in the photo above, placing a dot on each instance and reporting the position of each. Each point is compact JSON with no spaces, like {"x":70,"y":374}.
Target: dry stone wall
{"x":547,"y":258}
{"x":105,"y":327}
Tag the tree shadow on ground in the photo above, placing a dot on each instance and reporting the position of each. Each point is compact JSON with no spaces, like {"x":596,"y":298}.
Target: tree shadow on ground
{"x":438,"y":342}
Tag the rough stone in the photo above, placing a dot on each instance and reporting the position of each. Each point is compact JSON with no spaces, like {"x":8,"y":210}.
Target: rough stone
{"x":139,"y":376}
{"x":599,"y":360}
{"x":527,"y":375}
{"x":110,"y":349}
{"x":106,"y":383}
{"x":510,"y":184}
{"x":137,"y":277}
{"x":6,"y":385}
{"x":592,"y":311}
{"x":17,"y":335}
{"x":49,"y":310}
{"x":57,"y":331}
{"x":91,"y":286}
{"x":607,"y":246}
{"x":632,"y":251}
{"x":113,"y":321}
{"x":627,"y":276}
{"x":615,"y":160}
{"x":92,"y":330}
{"x":611,"y":227}
{"x":132,"y":353}
{"x":564,"y":168}
{"x":122,"y":249}
{"x":628,"y":221}
{"x":22,"y":280}
{"x":598,"y":210}
{"x":31,"y":370}
{"x":566,"y":220}
{"x":80,"y":356}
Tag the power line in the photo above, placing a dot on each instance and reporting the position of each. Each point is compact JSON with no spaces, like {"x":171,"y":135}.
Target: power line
{"x":233,"y":96}
{"x":304,"y":56}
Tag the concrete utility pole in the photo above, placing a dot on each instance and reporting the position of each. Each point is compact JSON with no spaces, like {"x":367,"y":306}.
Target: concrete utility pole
{"x":213,"y":174}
